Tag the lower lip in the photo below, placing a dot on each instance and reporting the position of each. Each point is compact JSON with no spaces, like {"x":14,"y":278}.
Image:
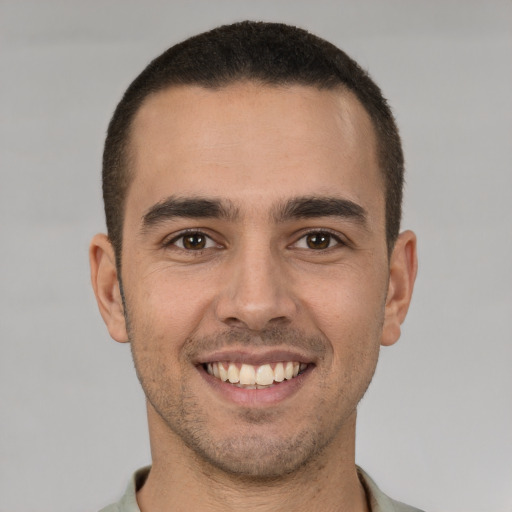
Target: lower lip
{"x":256,"y":397}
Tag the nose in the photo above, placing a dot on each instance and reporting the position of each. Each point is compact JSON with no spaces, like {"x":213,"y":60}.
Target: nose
{"x":256,"y":293}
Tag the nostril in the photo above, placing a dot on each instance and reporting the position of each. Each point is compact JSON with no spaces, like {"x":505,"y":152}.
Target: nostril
{"x":232,"y":321}
{"x":280,"y":320}
{"x":256,"y":325}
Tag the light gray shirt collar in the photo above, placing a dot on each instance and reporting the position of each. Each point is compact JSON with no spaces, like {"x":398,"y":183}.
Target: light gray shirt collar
{"x":377,"y":500}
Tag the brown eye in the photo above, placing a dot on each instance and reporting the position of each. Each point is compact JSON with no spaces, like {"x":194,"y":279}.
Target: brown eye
{"x":194,"y":241}
{"x":318,"y":240}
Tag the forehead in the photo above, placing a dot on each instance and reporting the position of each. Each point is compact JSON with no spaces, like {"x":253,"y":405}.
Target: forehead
{"x":249,"y":141}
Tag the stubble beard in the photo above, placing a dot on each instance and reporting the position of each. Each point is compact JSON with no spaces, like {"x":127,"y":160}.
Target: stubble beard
{"x":248,"y":453}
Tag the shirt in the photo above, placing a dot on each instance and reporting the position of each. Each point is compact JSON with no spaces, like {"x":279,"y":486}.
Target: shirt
{"x":377,"y":500}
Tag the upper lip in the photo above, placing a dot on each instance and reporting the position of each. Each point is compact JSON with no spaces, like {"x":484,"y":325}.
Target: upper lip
{"x":255,"y":357}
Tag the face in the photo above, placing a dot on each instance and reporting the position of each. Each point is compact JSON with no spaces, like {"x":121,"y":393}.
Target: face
{"x":255,"y":271}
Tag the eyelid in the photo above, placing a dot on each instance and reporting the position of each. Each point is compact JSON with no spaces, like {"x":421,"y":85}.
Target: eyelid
{"x":340,"y":240}
{"x":172,"y":239}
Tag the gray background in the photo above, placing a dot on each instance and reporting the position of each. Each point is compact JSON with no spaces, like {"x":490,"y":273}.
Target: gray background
{"x":435,"y":428}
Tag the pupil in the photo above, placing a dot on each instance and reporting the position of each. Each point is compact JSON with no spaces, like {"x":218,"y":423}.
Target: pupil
{"x":318,"y":240}
{"x":194,"y":241}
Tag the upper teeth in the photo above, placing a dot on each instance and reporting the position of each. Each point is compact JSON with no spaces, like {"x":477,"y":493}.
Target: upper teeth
{"x":249,"y":375}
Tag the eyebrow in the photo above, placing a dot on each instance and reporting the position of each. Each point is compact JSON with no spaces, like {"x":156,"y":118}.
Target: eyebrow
{"x":309,"y":207}
{"x":187,"y":207}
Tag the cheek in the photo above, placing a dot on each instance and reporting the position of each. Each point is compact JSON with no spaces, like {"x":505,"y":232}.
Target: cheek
{"x":350,"y":302}
{"x":162,"y":315}
{"x":349,"y":311}
{"x":166,"y":310}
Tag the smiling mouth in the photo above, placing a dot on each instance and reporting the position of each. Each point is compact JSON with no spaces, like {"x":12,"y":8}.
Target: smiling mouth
{"x":248,"y":376}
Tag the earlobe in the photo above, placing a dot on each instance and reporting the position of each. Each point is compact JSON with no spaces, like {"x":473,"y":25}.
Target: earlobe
{"x":402,"y":274}
{"x":106,"y":287}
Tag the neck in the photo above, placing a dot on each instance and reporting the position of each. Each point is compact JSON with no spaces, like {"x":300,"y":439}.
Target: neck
{"x":180,"y":481}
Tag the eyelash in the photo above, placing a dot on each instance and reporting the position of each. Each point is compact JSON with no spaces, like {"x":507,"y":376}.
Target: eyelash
{"x":333,"y":236}
{"x":193,"y":232}
{"x":189,"y":233}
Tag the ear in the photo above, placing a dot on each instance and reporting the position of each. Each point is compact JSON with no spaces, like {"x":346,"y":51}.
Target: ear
{"x":402,"y":274}
{"x":106,"y":286}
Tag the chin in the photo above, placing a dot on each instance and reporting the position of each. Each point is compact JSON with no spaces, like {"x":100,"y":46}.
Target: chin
{"x":256,"y":446}
{"x":257,"y":456}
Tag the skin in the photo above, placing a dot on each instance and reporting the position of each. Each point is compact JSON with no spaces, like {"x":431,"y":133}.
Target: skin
{"x":262,"y":287}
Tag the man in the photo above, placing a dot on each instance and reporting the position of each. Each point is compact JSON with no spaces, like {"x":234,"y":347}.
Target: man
{"x":252,"y":182}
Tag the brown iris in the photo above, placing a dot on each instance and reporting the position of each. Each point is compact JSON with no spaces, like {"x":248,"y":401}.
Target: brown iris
{"x":194,"y":241}
{"x":318,"y":240}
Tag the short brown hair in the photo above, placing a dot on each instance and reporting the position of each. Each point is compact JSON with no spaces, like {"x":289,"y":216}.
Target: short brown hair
{"x":267,"y":53}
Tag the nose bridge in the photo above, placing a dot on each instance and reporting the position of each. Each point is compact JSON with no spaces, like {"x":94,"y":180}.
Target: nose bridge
{"x":256,"y":292}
